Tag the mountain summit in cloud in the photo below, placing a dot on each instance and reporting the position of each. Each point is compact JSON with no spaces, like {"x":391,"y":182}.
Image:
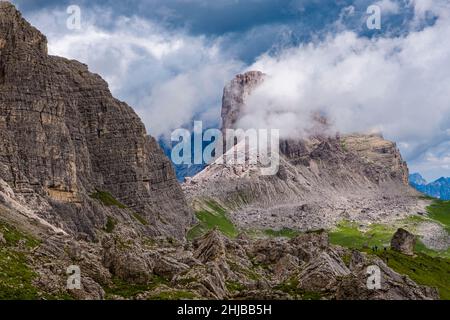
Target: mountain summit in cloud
{"x":322,"y":178}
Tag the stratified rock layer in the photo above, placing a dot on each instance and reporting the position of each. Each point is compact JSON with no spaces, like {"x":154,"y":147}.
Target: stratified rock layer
{"x":64,"y":137}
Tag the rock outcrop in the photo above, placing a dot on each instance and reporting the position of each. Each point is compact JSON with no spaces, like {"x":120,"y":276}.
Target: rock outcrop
{"x":235,"y":94}
{"x":403,"y":241}
{"x":63,"y":137}
{"x":282,"y":268}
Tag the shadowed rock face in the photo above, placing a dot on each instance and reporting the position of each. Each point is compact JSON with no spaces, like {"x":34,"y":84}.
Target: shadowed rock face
{"x":322,"y":178}
{"x":63,"y":136}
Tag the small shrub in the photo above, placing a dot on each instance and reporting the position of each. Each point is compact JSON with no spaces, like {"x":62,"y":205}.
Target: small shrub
{"x":107,"y":199}
{"x":110,"y":224}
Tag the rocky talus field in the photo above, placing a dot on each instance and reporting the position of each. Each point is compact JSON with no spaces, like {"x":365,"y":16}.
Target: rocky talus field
{"x":82,"y":184}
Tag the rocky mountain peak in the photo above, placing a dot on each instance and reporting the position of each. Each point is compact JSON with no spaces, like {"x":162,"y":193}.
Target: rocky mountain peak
{"x":77,"y":165}
{"x":322,"y":179}
{"x":416,"y":178}
{"x":17,"y":34}
{"x":443,"y":180}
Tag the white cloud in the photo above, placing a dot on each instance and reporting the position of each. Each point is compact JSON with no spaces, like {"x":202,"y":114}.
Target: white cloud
{"x":388,"y":6}
{"x":397,"y":86}
{"x":194,"y":93}
{"x":434,"y":163}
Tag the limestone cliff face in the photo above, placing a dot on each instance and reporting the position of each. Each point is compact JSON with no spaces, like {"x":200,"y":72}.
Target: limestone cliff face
{"x":322,"y":179}
{"x":64,"y":137}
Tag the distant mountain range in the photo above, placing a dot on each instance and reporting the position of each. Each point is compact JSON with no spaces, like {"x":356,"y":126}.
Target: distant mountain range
{"x":438,"y":189}
{"x":182,"y":170}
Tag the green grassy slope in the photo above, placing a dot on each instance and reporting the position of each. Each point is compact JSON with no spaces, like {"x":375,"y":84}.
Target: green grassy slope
{"x":423,"y":269}
{"x":427,"y":267}
{"x":440,"y":211}
{"x":213,"y":216}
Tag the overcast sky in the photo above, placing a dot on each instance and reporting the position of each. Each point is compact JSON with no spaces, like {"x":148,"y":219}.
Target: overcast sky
{"x":169,"y":59}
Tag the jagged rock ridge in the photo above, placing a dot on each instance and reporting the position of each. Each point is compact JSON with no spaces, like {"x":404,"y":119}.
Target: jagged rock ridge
{"x":63,"y":137}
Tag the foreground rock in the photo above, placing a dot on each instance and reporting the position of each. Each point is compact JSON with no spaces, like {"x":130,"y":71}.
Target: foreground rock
{"x":404,"y":242}
{"x":306,"y":266}
{"x":124,"y":266}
